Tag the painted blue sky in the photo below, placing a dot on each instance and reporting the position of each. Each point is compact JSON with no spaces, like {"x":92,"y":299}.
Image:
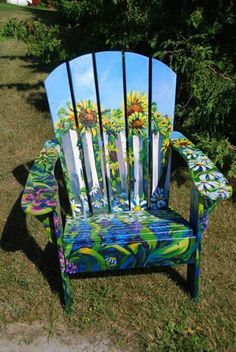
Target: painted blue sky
{"x":109,"y":69}
{"x":163,"y":88}
{"x":58,"y":91}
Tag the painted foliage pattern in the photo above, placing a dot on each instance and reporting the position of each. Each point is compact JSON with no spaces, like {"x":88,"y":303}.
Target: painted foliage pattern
{"x":40,"y":193}
{"x":127,"y":240}
{"x":113,"y":123}
{"x":100,"y":244}
{"x":207,"y":179}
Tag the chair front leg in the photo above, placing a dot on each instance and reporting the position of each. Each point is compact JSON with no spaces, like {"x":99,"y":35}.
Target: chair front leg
{"x":65,"y":283}
{"x":193,"y":270}
{"x":200,"y":209}
{"x":58,"y":230}
{"x":193,"y":274}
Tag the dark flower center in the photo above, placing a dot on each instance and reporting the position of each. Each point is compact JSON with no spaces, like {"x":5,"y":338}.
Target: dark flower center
{"x":137,"y":123}
{"x":88,"y":119}
{"x":183,"y":143}
{"x":134,"y":108}
{"x":113,"y":155}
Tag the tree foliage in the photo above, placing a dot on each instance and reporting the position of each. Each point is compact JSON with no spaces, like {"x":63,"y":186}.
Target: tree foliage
{"x":196,"y":38}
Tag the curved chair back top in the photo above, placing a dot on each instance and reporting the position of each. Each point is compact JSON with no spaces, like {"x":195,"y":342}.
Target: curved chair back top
{"x":113,"y":113}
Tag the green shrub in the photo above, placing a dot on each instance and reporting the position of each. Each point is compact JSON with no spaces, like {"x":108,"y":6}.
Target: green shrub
{"x":197,"y":39}
{"x":43,"y":41}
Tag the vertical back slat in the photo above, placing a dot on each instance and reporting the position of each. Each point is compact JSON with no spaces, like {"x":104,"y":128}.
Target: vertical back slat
{"x":149,"y":132}
{"x":101,"y":131}
{"x":163,"y":100}
{"x":79,"y":139}
{"x":60,"y":104}
{"x":110,"y":84}
{"x":136,"y":67}
{"x":84,"y":87}
{"x":126,"y":130}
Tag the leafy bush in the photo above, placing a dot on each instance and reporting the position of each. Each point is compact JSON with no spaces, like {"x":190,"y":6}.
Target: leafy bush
{"x":188,"y":36}
{"x":15,"y":29}
{"x":43,"y":42}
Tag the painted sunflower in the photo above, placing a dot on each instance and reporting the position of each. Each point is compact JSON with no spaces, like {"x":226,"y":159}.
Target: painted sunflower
{"x":137,"y":123}
{"x":182,"y":143}
{"x":113,"y":159}
{"x":165,"y":145}
{"x":165,"y":125}
{"x":87,"y":116}
{"x":136,"y":102}
{"x":113,"y":122}
{"x":161,"y":124}
{"x":66,"y":119}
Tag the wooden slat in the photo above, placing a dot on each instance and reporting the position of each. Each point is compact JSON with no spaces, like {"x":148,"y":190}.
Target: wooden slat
{"x":110,"y":83}
{"x":126,"y":131}
{"x":83,"y":80}
{"x":163,"y":95}
{"x":79,"y":139}
{"x":137,"y":114}
{"x":59,"y":99}
{"x":101,"y":131}
{"x":149,"y":132}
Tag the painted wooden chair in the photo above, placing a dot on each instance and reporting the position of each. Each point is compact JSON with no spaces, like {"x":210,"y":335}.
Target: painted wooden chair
{"x":113,"y":117}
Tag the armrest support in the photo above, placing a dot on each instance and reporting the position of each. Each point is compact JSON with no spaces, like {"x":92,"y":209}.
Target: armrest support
{"x":40,"y":195}
{"x":208,"y":180}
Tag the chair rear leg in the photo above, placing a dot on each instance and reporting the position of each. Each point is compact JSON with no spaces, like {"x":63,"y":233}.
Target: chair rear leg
{"x":67,"y":291}
{"x":193,"y":277}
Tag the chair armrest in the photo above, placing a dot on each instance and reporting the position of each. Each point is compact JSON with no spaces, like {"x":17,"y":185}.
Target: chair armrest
{"x":208,"y":180}
{"x":40,"y":195}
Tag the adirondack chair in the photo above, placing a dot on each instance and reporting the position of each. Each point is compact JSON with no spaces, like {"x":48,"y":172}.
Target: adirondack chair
{"x":113,"y":117}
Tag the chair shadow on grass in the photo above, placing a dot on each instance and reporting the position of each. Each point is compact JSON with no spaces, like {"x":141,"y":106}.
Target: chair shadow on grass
{"x":16,"y":237}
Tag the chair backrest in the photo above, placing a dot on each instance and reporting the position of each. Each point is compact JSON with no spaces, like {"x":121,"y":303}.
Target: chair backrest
{"x":112,"y":113}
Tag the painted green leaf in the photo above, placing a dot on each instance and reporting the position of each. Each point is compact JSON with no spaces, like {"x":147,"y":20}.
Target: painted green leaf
{"x":119,"y":249}
{"x":148,"y":236}
{"x":89,"y":252}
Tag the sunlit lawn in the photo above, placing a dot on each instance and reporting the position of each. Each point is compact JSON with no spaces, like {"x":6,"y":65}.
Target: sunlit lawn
{"x":150,"y":311}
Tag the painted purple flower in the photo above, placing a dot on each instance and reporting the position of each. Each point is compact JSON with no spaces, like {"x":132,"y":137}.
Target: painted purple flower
{"x":204,"y":220}
{"x":105,"y":222}
{"x":36,"y":208}
{"x":50,"y":203}
{"x":66,"y":266}
{"x":28,"y":197}
{"x":134,"y":227}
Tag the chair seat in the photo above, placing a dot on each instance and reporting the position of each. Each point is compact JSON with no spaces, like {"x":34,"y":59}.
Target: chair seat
{"x":127,"y":240}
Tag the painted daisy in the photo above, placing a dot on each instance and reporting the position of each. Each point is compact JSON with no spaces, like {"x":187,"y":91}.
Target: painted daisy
{"x":75,"y":207}
{"x":223,"y":192}
{"x":95,"y":190}
{"x":206,"y":183}
{"x":200,"y":164}
{"x":191,"y":153}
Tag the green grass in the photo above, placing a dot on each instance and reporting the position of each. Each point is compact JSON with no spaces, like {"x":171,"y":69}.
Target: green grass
{"x":149,"y":312}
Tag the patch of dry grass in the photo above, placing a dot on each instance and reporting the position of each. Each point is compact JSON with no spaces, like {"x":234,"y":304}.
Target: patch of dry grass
{"x":148,"y":310}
